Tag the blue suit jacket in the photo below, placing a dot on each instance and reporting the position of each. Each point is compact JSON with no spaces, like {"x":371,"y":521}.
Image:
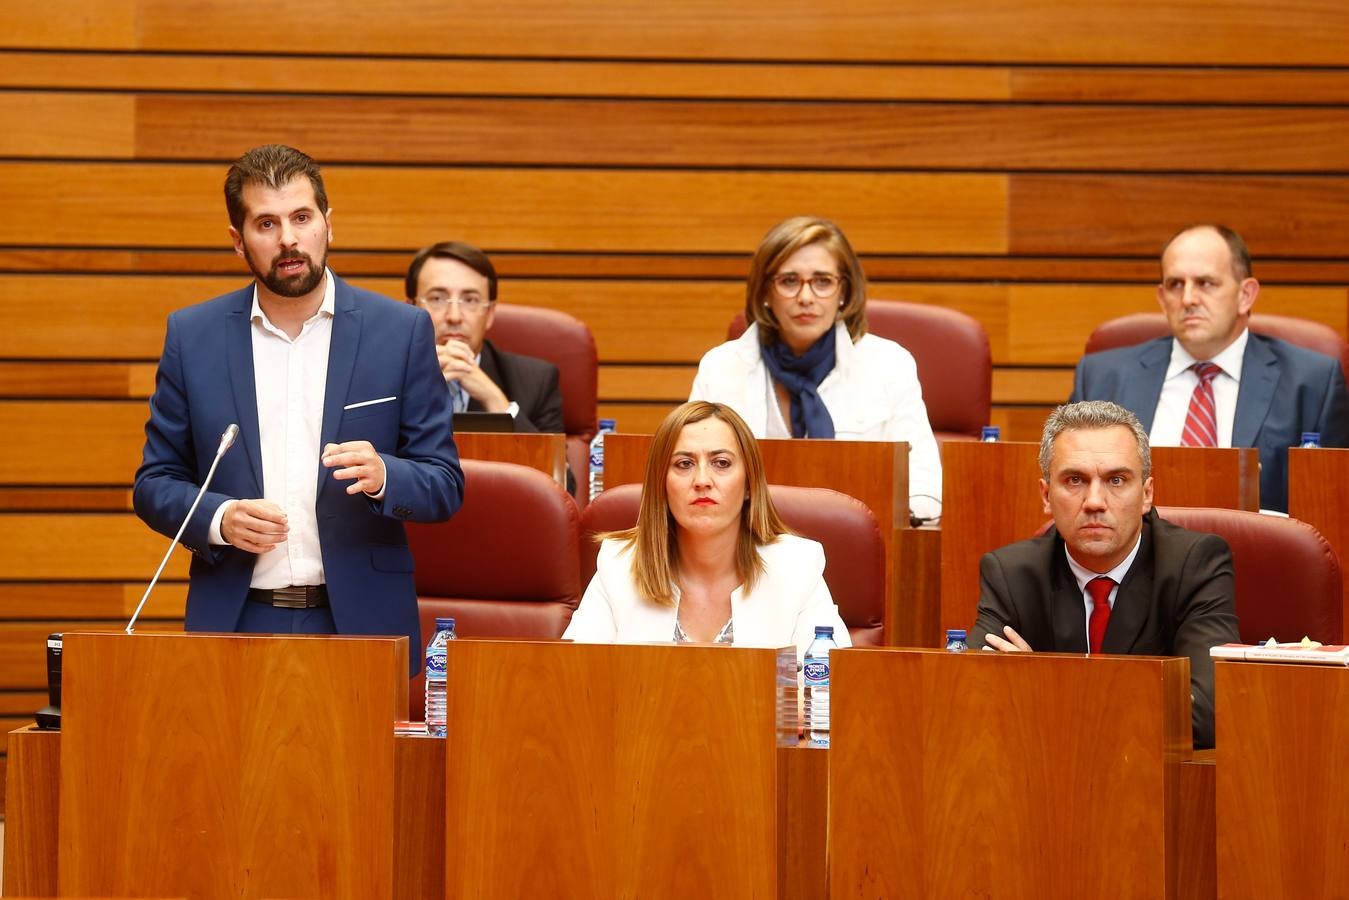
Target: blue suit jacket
{"x":1285,"y":390}
{"x":379,"y":348}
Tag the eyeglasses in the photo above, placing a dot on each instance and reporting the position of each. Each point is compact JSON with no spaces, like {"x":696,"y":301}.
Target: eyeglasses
{"x":468,"y":303}
{"x":823,"y":285}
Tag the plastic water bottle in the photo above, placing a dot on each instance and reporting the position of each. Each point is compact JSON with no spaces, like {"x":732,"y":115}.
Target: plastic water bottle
{"x":955,"y":640}
{"x":991,"y":434}
{"x":1310,"y":439}
{"x":816,"y":675}
{"x":597,"y":456}
{"x":435,"y":677}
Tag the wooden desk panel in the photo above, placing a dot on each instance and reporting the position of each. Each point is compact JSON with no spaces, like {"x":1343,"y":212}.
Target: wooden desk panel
{"x":545,"y":452}
{"x":1283,"y":780}
{"x":1030,"y":776}
{"x":1318,"y":494}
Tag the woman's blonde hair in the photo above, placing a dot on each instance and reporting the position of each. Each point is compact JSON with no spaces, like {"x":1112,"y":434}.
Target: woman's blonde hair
{"x":784,"y":239}
{"x":655,"y":556}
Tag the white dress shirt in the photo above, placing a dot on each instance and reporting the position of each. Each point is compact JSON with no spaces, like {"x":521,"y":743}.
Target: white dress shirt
{"x":290,"y":377}
{"x":1174,"y":403}
{"x":1085,"y":576}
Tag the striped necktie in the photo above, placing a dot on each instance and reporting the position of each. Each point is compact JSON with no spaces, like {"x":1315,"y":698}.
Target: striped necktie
{"x":1201,"y":422}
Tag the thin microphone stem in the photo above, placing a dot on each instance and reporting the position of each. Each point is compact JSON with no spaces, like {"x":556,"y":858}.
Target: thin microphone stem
{"x":210,"y":473}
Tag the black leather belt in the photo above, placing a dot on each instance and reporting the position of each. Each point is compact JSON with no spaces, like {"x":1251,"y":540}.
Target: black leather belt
{"x":305,"y":596}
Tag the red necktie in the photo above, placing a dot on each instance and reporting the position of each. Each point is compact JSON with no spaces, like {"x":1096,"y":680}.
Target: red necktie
{"x":1099,"y":588}
{"x":1201,"y":422}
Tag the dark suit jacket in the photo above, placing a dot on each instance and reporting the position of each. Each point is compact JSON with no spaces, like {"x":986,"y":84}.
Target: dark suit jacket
{"x":532,"y":383}
{"x":1177,"y":599}
{"x":1285,"y":390}
{"x":379,"y":348}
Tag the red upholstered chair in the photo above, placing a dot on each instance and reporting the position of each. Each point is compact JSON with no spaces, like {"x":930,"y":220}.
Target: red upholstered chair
{"x":853,"y":550}
{"x":1139,"y":327}
{"x":955,"y":365}
{"x":1288,"y":576}
{"x":504,"y":565}
{"x":568,"y":344}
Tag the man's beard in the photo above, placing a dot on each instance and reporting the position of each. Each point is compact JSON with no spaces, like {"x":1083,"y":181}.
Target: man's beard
{"x":294,"y":285}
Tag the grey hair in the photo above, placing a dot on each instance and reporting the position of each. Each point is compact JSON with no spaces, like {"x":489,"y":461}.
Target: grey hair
{"x":1092,"y":415}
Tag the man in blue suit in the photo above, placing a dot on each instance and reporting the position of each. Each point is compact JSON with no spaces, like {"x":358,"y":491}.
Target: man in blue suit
{"x":344,"y":429}
{"x":1215,"y":383}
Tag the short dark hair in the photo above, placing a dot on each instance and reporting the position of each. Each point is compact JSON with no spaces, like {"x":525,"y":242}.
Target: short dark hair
{"x":274,"y":166}
{"x":1236,"y":247}
{"x":467,"y":254}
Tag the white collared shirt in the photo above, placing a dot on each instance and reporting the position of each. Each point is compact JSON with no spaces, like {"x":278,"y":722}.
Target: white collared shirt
{"x":1085,"y":576}
{"x":290,"y":377}
{"x":1174,"y":403}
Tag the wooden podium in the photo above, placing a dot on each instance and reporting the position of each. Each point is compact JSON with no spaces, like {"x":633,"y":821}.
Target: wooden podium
{"x":1283,"y":794}
{"x":583,"y":770}
{"x":1007,"y":775}
{"x":991,"y":498}
{"x":228,"y":765}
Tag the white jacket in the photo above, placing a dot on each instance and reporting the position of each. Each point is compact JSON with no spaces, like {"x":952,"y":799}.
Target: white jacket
{"x":872,"y":394}
{"x":790,"y":598}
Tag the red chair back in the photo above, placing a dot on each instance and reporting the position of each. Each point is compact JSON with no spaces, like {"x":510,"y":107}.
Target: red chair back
{"x":567,"y":343}
{"x":504,"y":565}
{"x":1139,"y":327}
{"x":853,"y":550}
{"x":951,"y":350}
{"x":1287,"y":574}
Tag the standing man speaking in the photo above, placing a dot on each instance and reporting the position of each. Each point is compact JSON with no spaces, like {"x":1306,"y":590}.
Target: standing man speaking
{"x":344,"y":429}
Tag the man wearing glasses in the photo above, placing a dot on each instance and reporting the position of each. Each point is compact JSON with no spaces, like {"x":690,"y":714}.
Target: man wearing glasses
{"x":457,"y":284}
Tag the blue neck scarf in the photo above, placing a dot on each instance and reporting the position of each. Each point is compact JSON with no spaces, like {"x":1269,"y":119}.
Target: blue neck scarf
{"x":801,"y":376}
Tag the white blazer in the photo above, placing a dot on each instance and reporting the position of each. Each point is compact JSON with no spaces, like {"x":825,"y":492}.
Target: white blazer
{"x":790,"y":598}
{"x":872,"y":394}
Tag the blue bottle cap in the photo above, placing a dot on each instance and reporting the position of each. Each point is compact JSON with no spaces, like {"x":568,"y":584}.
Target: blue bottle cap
{"x":608,"y":424}
{"x":824,"y":630}
{"x":955,"y":634}
{"x":990,"y":433}
{"x":1311,"y":437}
{"x":445,"y":624}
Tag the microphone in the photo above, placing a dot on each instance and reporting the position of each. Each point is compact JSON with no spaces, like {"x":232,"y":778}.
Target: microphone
{"x":226,"y":441}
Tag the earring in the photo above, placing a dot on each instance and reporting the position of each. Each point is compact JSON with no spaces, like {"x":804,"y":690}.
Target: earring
{"x":765,"y":304}
{"x":840,"y":304}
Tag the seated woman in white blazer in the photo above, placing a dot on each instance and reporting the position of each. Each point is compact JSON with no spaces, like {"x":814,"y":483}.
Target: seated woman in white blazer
{"x":709,"y":559}
{"x":806,"y":367}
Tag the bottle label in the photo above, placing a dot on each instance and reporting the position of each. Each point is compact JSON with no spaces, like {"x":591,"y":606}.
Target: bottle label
{"x":435,"y":664}
{"x":816,"y":671}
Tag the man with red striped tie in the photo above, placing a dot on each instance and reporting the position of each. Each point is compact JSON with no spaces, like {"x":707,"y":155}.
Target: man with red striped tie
{"x":1214,"y":383}
{"x":1110,"y":576}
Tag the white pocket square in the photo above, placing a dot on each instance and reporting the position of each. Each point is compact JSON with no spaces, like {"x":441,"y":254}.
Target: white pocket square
{"x":367,"y":403}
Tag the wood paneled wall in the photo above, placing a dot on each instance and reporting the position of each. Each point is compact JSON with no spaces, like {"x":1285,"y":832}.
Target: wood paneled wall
{"x":1021,"y":161}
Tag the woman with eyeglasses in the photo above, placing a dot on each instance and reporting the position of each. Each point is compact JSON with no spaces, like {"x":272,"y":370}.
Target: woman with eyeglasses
{"x":806,"y":366}
{"x":710,"y":559}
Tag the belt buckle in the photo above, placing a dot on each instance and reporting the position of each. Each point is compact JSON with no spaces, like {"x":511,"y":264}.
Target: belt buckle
{"x":291,"y":597}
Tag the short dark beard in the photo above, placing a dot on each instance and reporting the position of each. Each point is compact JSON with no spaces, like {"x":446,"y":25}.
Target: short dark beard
{"x":296,"y":285}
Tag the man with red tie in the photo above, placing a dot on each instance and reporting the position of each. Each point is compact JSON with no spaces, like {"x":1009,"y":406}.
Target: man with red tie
{"x":1110,"y":576}
{"x":1213,"y":383}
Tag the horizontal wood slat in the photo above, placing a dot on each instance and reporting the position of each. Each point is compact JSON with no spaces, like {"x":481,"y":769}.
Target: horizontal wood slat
{"x":673,"y":133}
{"x":1106,"y":215}
{"x":1305,"y":32}
{"x":245,"y":73}
{"x":37,"y":125}
{"x":81,"y":602}
{"x":75,"y":443}
{"x":591,"y":210}
{"x":96,"y":204}
{"x":87,"y":546}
